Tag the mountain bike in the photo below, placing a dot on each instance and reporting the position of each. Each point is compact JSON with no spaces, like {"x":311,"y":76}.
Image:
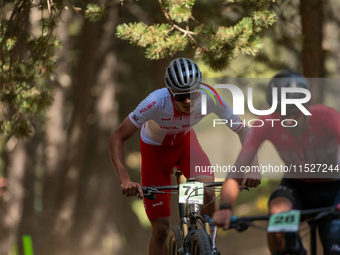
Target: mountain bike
{"x":192,"y":235}
{"x":288,"y":222}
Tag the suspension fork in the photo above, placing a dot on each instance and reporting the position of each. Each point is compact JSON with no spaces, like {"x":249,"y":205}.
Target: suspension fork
{"x":183,"y":219}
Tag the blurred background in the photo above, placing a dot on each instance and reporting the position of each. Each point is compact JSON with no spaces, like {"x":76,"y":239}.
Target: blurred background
{"x":57,"y":184}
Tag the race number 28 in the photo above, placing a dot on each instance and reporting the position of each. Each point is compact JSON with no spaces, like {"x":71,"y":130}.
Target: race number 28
{"x":284,"y":222}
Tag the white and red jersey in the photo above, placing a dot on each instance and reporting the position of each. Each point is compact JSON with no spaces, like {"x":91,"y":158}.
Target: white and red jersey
{"x":162,"y":124}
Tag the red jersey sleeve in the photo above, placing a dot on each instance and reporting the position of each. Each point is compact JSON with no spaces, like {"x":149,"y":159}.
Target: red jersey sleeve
{"x":330,"y":120}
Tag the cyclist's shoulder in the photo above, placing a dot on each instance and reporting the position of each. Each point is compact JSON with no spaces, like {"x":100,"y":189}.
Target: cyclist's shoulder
{"x":268,"y":120}
{"x":158,"y":97}
{"x":159,"y":94}
{"x":323,"y":112}
{"x":321,"y":109}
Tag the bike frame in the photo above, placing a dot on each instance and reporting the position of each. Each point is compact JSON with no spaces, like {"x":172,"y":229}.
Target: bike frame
{"x":188,"y":222}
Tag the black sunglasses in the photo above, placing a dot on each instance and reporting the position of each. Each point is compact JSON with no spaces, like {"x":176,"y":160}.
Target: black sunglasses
{"x":181,"y":97}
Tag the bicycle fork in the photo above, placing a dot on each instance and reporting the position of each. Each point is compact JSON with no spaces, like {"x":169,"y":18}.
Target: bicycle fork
{"x":189,"y":224}
{"x":293,"y":244}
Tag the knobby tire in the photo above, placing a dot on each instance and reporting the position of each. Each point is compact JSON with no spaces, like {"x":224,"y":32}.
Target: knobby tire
{"x":175,"y":240}
{"x":200,"y":243}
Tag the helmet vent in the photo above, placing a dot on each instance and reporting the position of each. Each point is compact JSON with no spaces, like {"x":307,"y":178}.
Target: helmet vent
{"x":183,"y":74}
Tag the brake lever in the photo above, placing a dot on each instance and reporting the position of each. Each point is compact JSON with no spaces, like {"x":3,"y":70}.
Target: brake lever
{"x":242,"y":227}
{"x":138,"y":196}
{"x":150,"y":196}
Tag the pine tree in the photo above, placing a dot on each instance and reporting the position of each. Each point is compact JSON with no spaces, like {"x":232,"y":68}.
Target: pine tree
{"x":215,"y":40}
{"x":27,"y":58}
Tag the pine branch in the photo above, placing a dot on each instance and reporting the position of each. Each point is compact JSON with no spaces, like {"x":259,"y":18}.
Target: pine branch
{"x":24,"y":59}
{"x":215,"y":44}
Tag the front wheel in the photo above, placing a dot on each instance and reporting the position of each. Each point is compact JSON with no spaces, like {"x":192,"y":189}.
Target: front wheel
{"x":200,"y":243}
{"x":175,"y":240}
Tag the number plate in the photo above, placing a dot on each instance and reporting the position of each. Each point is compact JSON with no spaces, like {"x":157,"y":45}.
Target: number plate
{"x":191,"y":193}
{"x":284,"y":222}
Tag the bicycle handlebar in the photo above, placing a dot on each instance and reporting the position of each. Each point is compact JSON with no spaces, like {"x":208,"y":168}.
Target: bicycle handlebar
{"x":242,"y":223}
{"x":150,"y":192}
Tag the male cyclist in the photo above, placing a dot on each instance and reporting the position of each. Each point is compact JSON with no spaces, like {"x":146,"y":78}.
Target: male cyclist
{"x":166,"y":118}
{"x":314,"y":140}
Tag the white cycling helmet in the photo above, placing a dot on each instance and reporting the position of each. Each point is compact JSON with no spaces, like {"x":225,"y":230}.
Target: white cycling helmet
{"x":286,"y":79}
{"x":182,"y":74}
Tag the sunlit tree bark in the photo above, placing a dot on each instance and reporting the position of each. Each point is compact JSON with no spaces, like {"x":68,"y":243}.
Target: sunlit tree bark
{"x":313,"y":59}
{"x":55,"y":140}
{"x":72,"y":168}
{"x":12,"y":200}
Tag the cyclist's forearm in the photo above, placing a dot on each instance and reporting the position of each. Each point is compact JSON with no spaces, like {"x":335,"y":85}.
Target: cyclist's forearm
{"x":230,"y":190}
{"x":242,"y":134}
{"x":116,"y":148}
{"x":251,"y":154}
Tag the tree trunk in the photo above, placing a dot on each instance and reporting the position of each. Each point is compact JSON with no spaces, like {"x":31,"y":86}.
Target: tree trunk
{"x":61,"y":241}
{"x":11,"y":206}
{"x":28,"y":224}
{"x":12,"y":201}
{"x":313,"y":59}
{"x":55,"y":140}
{"x":99,"y":228}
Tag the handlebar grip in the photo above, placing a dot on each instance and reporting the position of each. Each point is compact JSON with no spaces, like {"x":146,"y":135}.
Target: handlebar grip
{"x":248,"y":188}
{"x":233,"y":219}
{"x":144,"y":189}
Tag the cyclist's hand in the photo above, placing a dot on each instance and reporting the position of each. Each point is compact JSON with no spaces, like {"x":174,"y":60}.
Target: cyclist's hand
{"x":130,"y":189}
{"x":251,"y":180}
{"x":222,"y":218}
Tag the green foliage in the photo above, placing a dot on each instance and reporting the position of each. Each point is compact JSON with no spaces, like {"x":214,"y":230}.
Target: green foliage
{"x":17,"y":126}
{"x":95,"y":12}
{"x":10,"y":43}
{"x":263,"y":19}
{"x":159,"y":40}
{"x":214,"y":41}
{"x":26,"y":57}
{"x":179,"y":11}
